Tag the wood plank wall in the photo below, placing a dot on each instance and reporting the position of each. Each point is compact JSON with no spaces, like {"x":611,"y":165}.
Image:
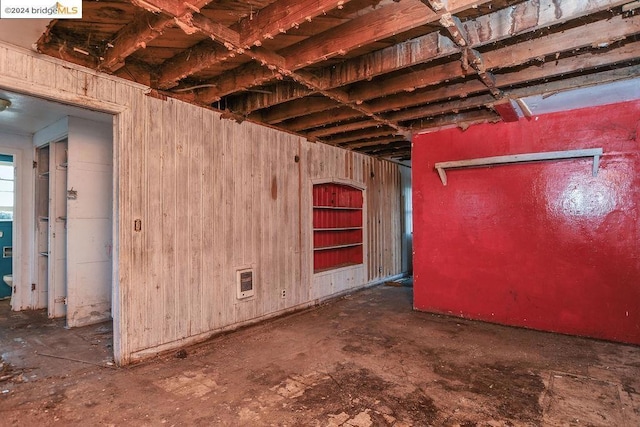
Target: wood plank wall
{"x":212,"y":196}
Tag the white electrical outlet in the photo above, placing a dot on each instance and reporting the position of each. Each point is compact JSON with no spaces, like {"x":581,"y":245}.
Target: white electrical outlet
{"x":283,"y":293}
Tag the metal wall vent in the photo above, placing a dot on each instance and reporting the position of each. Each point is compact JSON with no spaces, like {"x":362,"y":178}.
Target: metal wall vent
{"x":245,"y":285}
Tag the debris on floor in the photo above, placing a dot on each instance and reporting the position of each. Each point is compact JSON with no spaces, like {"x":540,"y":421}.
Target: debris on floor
{"x":361,"y":361}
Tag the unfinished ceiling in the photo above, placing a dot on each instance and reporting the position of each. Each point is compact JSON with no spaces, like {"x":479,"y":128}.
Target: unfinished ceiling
{"x":358,"y":74}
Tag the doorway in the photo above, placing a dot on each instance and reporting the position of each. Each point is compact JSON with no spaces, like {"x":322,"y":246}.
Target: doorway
{"x":63,"y":228}
{"x":6,"y":226}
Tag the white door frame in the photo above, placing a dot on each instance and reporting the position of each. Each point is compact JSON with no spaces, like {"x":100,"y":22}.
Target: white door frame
{"x":25,"y":87}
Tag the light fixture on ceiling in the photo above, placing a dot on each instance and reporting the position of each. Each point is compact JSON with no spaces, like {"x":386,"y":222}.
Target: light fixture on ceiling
{"x":4,"y":104}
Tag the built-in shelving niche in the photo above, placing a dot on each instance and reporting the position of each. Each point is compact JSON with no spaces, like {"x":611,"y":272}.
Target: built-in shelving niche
{"x":337,"y":226}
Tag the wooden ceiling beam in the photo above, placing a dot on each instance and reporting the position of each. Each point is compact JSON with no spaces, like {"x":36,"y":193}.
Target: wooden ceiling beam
{"x":476,"y":62}
{"x":277,"y":94}
{"x":136,"y":71}
{"x":377,"y":25}
{"x":132,"y":37}
{"x":587,"y":61}
{"x":218,"y":32}
{"x":246,"y":79}
{"x":426,"y":96}
{"x":536,"y":89}
{"x":402,"y":55}
{"x":268,"y":66}
{"x":403,"y":19}
{"x":439,"y":108}
{"x":382,"y":61}
{"x":373,"y":142}
{"x":506,"y":109}
{"x":434,"y":42}
{"x":276,"y":63}
{"x":436,"y":5}
{"x":187,"y":16}
{"x":610,"y":30}
{"x":584,"y":62}
{"x":470,"y":57}
{"x":519,"y":19}
{"x":190,"y":61}
{"x":144,"y":28}
{"x":293,"y":109}
{"x":267,"y":22}
{"x":343,"y":98}
{"x":580,"y":63}
{"x":67,"y":53}
{"x":371,"y":27}
{"x":171,"y":7}
{"x":328,"y":131}
{"x":577,"y":82}
{"x":319,"y":119}
{"x":242,"y":78}
{"x":461,"y":120}
{"x":378,"y":22}
{"x":361,"y":135}
{"x":253,"y":75}
{"x":280,"y":16}
{"x":392,"y":149}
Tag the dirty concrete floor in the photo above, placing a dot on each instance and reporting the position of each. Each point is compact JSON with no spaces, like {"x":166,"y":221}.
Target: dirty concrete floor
{"x":363,"y":360}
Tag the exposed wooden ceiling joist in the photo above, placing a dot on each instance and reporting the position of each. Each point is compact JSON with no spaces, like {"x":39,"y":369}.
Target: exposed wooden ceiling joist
{"x":315,"y":120}
{"x":143,"y":29}
{"x":281,"y":16}
{"x":607,"y":31}
{"x":360,"y":74}
{"x":363,"y":124}
{"x":496,"y":26}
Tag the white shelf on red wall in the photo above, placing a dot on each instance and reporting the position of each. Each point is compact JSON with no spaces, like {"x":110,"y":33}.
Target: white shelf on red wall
{"x":441,"y":167}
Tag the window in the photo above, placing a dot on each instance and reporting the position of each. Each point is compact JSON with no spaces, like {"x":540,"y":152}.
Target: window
{"x":6,"y":187}
{"x":337,"y":226}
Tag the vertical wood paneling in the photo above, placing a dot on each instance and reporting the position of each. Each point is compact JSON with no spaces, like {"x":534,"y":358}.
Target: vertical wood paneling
{"x":183,"y":250}
{"x":170,"y":284}
{"x":136,"y":204}
{"x":305,"y":213}
{"x":66,"y":78}
{"x":194,"y":209}
{"x":154,"y":240}
{"x":207,"y":282}
{"x":214,"y":196}
{"x":124,"y":344}
{"x":228,"y":260}
{"x":42,"y":74}
{"x":218,"y":218}
{"x":18,"y":66}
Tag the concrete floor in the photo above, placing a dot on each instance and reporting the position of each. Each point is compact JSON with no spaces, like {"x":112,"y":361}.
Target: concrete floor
{"x":362,"y":360}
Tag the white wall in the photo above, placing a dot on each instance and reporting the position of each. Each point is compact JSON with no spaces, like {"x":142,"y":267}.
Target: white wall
{"x":89,"y":252}
{"x":19,"y":146}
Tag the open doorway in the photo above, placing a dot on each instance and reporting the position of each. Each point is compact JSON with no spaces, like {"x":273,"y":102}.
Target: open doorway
{"x":62,"y":214}
{"x":6,"y":227}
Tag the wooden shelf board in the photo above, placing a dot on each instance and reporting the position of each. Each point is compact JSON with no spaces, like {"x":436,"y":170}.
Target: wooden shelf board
{"x":327,"y":248}
{"x":441,"y":167}
{"x":338,"y":229}
{"x":343,"y":208}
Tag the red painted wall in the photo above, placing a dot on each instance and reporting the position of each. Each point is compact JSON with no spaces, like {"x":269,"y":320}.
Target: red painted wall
{"x":542,"y":245}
